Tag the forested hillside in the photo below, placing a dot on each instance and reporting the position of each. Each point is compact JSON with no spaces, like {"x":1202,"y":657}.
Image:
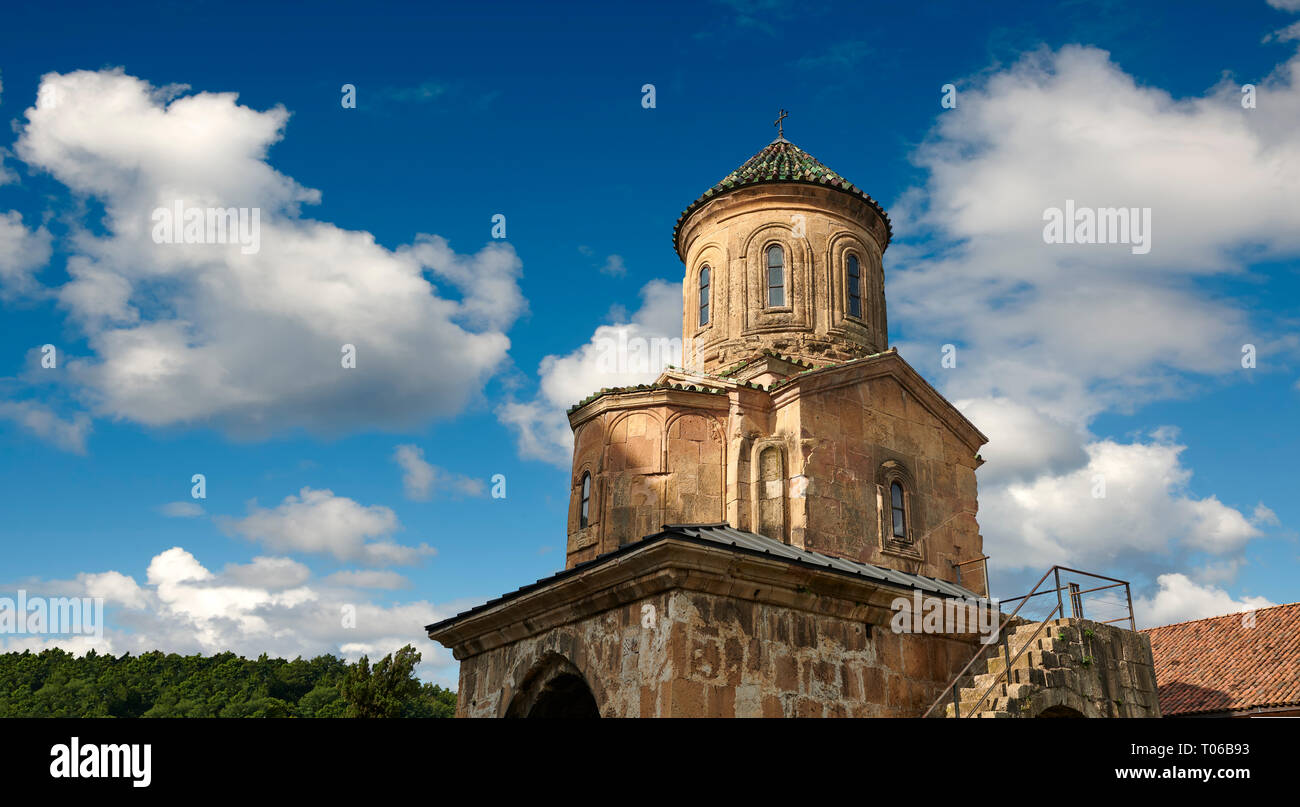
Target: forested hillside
{"x":54,"y":683}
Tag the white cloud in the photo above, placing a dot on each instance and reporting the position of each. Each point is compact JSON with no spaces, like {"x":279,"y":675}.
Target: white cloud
{"x":265,"y":606}
{"x":1264,"y":517}
{"x":252,"y":343}
{"x":620,"y":354}
{"x":369,"y":578}
{"x":1023,"y":442}
{"x":1286,"y":34}
{"x":1179,"y":599}
{"x":68,"y":434}
{"x":1224,"y":571}
{"x":115,"y":587}
{"x":421,"y":479}
{"x":22,"y":253}
{"x":1146,"y":510}
{"x":1077,"y":330}
{"x":417,"y":475}
{"x":614,"y":266}
{"x":181,"y":510}
{"x":1049,"y":336}
{"x":318,"y":522}
{"x":1285,"y":5}
{"x":492,"y":298}
{"x":268,"y":573}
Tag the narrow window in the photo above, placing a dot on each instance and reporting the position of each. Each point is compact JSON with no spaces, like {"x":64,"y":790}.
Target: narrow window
{"x":704,"y":296}
{"x":586,"y":501}
{"x":855,"y":287}
{"x":900,"y":515}
{"x":775,"y":276}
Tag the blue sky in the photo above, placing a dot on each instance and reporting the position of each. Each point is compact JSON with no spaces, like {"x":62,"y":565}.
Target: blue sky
{"x":463,"y":114}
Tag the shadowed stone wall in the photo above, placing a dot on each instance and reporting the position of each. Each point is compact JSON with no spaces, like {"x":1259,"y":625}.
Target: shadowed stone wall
{"x":701,"y":654}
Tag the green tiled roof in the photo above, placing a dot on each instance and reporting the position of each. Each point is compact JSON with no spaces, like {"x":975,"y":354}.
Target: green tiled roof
{"x":644,"y":388}
{"x":783,"y":161}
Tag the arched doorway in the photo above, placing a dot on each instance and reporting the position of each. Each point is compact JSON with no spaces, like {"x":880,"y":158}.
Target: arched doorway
{"x":565,"y":696}
{"x":554,"y":688}
{"x":1060,"y":711}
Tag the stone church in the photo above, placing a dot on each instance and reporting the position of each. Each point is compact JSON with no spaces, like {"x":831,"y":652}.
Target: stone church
{"x":740,"y":531}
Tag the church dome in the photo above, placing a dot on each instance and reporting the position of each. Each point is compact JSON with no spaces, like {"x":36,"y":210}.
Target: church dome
{"x":781,"y":161}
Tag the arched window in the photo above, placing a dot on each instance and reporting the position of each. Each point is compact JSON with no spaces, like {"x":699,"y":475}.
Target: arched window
{"x":855,"y":287}
{"x":586,"y":501}
{"x":775,"y":276}
{"x":770,"y":488}
{"x":900,"y":512}
{"x":704,"y":296}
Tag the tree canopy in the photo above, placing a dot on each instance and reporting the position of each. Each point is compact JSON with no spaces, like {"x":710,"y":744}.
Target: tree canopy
{"x":54,"y":683}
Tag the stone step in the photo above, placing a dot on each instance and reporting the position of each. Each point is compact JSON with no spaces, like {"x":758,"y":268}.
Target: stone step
{"x":987,"y":709}
{"x":1022,"y":637}
{"x":1048,"y":656}
{"x":1030,"y":659}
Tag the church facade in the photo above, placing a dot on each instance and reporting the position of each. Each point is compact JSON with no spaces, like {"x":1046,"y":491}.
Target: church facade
{"x":740,"y":531}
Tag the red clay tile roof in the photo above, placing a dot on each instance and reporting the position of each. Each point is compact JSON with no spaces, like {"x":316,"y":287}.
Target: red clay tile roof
{"x":1219,"y":664}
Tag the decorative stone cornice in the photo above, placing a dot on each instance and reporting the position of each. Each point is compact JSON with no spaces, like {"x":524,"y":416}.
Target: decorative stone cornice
{"x":658,"y":564}
{"x":642,"y":394}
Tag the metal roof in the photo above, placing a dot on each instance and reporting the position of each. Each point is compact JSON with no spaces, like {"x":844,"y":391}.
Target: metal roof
{"x":722,"y":535}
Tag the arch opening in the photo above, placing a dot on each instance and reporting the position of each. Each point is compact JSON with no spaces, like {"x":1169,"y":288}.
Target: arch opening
{"x":565,"y":696}
{"x":554,"y":689}
{"x":1059,"y":711}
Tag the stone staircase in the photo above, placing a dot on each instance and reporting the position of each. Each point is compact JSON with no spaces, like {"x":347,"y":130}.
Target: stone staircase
{"x":1071,"y":668}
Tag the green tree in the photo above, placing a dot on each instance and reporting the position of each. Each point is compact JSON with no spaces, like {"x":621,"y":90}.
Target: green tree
{"x":54,"y":683}
{"x":385,"y":691}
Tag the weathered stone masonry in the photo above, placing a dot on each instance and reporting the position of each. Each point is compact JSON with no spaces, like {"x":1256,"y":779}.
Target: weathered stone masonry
{"x":814,"y":477}
{"x":678,"y":640}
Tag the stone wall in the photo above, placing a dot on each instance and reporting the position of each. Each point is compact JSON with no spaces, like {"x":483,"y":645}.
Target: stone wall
{"x":808,"y":463}
{"x":817,"y":228}
{"x":700,"y":654}
{"x":654,"y":458}
{"x":852,"y":433}
{"x":1068,"y":668}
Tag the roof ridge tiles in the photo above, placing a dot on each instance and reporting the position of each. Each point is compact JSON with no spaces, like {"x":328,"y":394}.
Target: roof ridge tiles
{"x":783,"y":161}
{"x":1221,"y":616}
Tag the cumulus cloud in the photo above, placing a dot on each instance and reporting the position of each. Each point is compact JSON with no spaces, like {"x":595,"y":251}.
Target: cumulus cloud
{"x":318,"y":522}
{"x":620,"y":354}
{"x":1023,"y":442}
{"x":23,"y":253}
{"x":268,"y":573}
{"x":251,"y":343}
{"x":1050,"y":337}
{"x":115,"y":588}
{"x":68,"y":434}
{"x":1180,"y":599}
{"x":269,"y":605}
{"x":1075,"y":330}
{"x":1130,"y":499}
{"x":421,"y":479}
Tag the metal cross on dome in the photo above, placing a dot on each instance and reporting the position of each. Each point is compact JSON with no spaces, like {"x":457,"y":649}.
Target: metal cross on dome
{"x":778,"y":123}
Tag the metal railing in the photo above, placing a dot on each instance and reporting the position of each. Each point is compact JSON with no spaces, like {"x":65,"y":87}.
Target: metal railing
{"x":1076,"y":610}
